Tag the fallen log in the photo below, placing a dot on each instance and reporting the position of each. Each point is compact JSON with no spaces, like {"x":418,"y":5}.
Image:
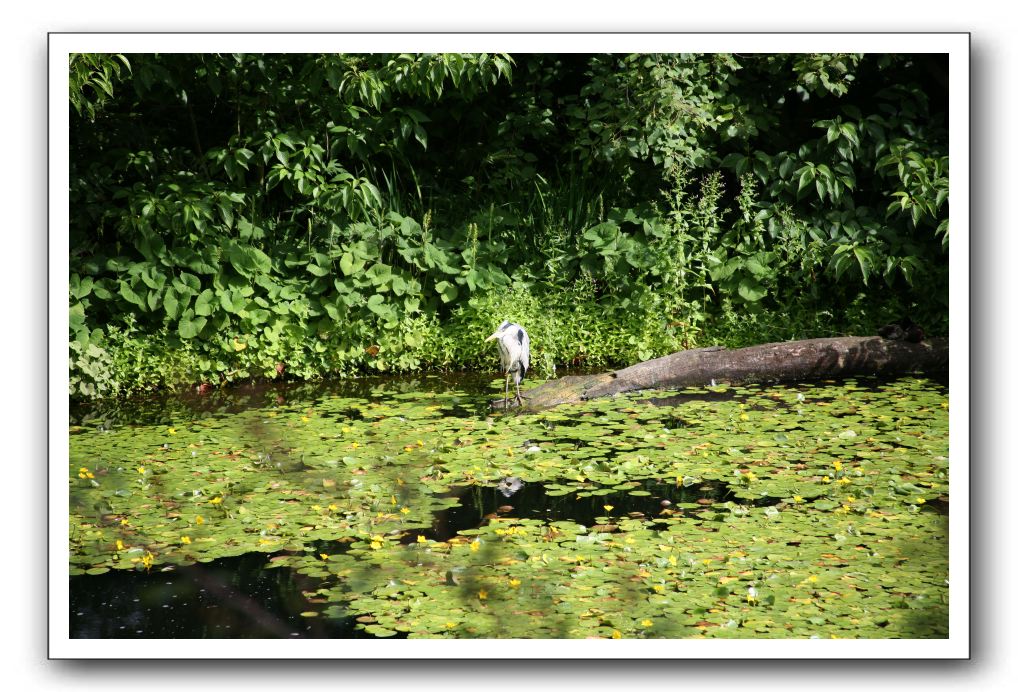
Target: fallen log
{"x":786,"y":361}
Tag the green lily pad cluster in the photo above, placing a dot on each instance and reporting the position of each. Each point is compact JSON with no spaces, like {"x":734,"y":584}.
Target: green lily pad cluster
{"x":815,"y":510}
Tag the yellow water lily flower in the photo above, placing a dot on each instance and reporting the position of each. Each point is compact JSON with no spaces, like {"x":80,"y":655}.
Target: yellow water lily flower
{"x":404,"y":510}
{"x":616,"y":634}
{"x":120,"y":544}
{"x":324,"y":556}
{"x":514,"y":583}
{"x":421,"y":539}
{"x":482,"y":595}
{"x":185,"y":539}
{"x":646,"y":623}
{"x":199,"y":520}
{"x":475,"y":546}
{"x":216,"y":500}
{"x":171,"y":431}
{"x":609,"y":508}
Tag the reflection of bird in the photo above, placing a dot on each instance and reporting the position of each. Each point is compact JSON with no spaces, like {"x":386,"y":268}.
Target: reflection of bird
{"x":514,"y":354}
{"x":509,"y":485}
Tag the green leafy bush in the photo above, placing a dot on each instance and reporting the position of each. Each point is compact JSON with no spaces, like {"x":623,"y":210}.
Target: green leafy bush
{"x":238,"y":215}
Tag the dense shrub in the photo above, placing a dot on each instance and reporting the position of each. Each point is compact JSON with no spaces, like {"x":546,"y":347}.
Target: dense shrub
{"x":235,"y":215}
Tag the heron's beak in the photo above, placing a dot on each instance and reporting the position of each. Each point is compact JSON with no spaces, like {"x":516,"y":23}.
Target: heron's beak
{"x":492,"y":336}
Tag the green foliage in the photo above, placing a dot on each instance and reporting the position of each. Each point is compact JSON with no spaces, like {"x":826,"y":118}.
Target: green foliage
{"x":91,"y":80}
{"x":351,"y":213}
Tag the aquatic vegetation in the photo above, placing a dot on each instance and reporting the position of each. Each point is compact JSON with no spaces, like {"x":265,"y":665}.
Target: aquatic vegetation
{"x":796,"y":511}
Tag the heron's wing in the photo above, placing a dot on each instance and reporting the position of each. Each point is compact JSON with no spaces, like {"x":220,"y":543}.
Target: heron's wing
{"x":524,"y":348}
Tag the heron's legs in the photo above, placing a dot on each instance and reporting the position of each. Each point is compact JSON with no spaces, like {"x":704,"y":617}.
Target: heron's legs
{"x":519,"y":400}
{"x":505,"y":399}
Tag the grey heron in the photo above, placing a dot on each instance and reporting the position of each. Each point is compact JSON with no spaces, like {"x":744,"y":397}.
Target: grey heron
{"x":514,"y":355}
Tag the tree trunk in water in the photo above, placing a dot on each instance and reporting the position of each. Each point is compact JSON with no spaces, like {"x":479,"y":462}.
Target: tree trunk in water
{"x":787,"y":361}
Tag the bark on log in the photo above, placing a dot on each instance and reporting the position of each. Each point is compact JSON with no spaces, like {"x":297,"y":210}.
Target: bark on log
{"x":787,"y":361}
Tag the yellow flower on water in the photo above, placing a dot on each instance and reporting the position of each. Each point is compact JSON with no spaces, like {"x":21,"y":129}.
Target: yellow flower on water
{"x":812,"y":578}
{"x":706,"y":561}
{"x":475,"y":546}
{"x":616,"y":634}
{"x":837,"y":466}
{"x":420,"y":443}
{"x":646,"y":623}
{"x":482,"y":595}
{"x":921,"y":501}
{"x":316,"y":508}
{"x":509,"y":452}
{"x":609,"y":508}
{"x":324,"y":556}
{"x":450,"y":625}
{"x":124,"y":522}
{"x":83,"y":470}
{"x":120,"y":544}
{"x":404,"y":510}
{"x":304,"y":419}
{"x":147,"y":559}
{"x":199,"y":520}
{"x":354,"y":445}
{"x":171,"y":431}
{"x":743,"y":416}
{"x":825,"y":479}
{"x":672,"y":561}
{"x":797,"y":499}
{"x":217,"y":500}
{"x":333,"y":506}
{"x":141,"y":469}
{"x":89,"y":475}
{"x":421,"y":539}
{"x":659,"y":587}
{"x":844,"y":481}
{"x":376,"y":545}
{"x":408,"y":448}
{"x":185,"y":539}
{"x":345,"y":429}
{"x":514,"y":583}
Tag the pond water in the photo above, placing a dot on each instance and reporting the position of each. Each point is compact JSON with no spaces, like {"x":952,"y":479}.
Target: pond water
{"x":404,"y":507}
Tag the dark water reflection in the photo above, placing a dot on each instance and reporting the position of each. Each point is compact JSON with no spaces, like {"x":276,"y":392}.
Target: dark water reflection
{"x":235,"y":597}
